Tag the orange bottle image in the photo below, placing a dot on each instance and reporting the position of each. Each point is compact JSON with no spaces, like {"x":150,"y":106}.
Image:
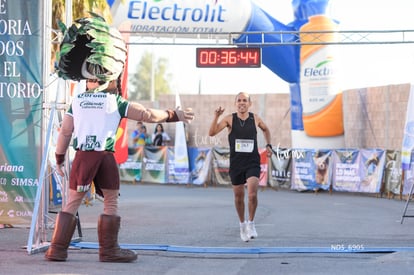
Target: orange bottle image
{"x":319,"y":79}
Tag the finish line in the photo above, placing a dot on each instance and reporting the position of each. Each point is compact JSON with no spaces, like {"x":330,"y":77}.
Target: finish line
{"x":241,"y":250}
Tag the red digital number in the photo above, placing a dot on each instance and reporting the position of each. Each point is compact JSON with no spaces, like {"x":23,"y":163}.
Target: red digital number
{"x":228,"y":57}
{"x":232,"y":57}
{"x":253,"y":56}
{"x":224,"y":57}
{"x":245,"y":57}
{"x":207,"y":57}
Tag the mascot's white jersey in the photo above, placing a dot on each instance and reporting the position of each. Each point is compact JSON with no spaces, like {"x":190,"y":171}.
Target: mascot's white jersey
{"x":96,"y":117}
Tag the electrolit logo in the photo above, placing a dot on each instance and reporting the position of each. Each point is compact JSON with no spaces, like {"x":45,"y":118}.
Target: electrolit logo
{"x":322,"y":69}
{"x":178,"y":18}
{"x":146,"y":10}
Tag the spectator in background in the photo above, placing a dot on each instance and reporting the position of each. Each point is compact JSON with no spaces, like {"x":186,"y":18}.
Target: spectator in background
{"x":136,"y":133}
{"x":144,"y":138}
{"x":160,"y":137}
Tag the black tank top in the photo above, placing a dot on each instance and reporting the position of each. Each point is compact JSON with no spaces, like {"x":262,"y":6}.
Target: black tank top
{"x":243,"y":143}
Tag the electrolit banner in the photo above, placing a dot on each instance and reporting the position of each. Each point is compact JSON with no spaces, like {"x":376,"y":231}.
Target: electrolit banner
{"x":321,"y":96}
{"x":185,"y":16}
{"x":311,"y":70}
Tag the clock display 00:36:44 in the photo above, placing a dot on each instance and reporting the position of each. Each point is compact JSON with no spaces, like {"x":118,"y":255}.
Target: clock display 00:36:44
{"x":228,"y":57}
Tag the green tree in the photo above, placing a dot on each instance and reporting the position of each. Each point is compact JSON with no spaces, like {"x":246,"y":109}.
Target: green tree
{"x":140,"y":81}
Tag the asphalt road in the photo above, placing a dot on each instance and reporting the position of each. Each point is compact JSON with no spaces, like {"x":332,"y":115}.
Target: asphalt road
{"x":194,"y":230}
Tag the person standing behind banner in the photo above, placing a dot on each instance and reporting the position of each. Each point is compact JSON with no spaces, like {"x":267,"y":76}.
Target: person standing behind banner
{"x":244,"y":157}
{"x":144,"y":138}
{"x":94,"y":131}
{"x":135,"y":134}
{"x":160,"y":137}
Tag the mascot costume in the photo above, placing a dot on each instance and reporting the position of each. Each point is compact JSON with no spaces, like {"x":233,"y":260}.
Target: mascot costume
{"x":91,"y":51}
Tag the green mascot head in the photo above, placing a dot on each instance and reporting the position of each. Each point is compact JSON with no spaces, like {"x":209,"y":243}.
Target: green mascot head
{"x":91,"y":49}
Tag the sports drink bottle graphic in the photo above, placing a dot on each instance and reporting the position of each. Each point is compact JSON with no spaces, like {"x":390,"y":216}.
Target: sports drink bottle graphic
{"x":319,"y":79}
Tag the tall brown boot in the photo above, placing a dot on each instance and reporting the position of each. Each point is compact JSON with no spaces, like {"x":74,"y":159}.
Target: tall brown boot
{"x":109,"y":250}
{"x":62,"y":235}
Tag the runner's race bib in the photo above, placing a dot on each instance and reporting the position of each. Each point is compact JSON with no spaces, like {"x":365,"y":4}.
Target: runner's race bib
{"x":244,"y":145}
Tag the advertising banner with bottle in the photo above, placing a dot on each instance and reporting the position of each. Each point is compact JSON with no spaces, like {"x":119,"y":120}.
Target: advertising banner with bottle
{"x":313,"y":71}
{"x":169,"y":17}
{"x":321,"y":95}
{"x":21,"y":96}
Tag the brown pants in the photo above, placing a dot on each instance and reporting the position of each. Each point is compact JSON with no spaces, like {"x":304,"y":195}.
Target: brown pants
{"x":99,"y":167}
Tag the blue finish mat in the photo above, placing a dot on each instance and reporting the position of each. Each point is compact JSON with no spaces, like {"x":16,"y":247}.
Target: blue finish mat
{"x":250,"y":250}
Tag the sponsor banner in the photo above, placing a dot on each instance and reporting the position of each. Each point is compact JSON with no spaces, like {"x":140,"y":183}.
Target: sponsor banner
{"x":408,"y":182}
{"x":176,"y":174}
{"x":358,"y":170}
{"x":264,"y":164}
{"x":248,"y":23}
{"x":303,"y":175}
{"x":346,"y":170}
{"x":55,"y":189}
{"x":21,"y":96}
{"x":408,"y":138}
{"x":280,"y":168}
{"x":311,"y":170}
{"x":154,"y":164}
{"x":373,"y":161}
{"x":323,"y":168}
{"x":170,"y":17}
{"x":221,"y":165}
{"x":393,"y":172}
{"x":180,"y":163}
{"x":131,"y":170}
{"x":200,"y":161}
{"x":409,"y":177}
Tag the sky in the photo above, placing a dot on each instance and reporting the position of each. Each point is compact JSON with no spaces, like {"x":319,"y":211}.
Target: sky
{"x":362,"y":65}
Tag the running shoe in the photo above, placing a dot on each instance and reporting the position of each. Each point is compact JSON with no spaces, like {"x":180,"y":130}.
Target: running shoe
{"x":243,"y":232}
{"x":251,"y":230}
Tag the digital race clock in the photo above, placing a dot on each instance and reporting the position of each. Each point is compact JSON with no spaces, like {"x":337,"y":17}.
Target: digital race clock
{"x":229,"y":57}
